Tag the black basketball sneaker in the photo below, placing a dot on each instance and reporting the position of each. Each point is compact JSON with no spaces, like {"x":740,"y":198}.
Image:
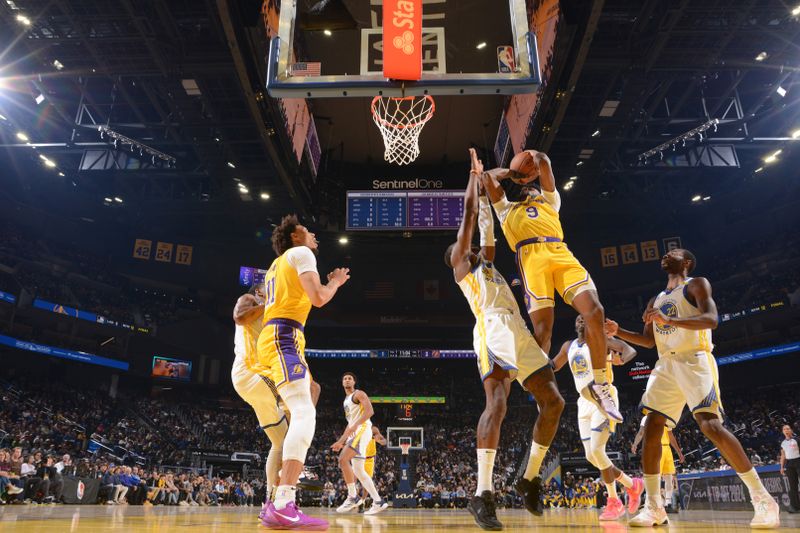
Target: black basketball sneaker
{"x":482,"y":508}
{"x":531,"y":492}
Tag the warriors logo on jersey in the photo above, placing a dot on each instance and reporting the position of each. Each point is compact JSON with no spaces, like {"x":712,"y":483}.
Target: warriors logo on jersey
{"x":670,"y":310}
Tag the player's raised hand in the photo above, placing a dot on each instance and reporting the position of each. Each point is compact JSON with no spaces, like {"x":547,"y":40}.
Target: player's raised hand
{"x":336,"y":446}
{"x":339,"y":275}
{"x":611,"y":327}
{"x":476,"y":165}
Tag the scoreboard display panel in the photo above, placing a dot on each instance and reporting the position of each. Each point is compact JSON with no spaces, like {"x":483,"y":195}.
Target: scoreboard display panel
{"x":404,"y":210}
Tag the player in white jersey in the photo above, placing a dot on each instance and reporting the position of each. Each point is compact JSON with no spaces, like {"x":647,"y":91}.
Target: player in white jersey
{"x":594,"y":427}
{"x":679,"y":322}
{"x":506,"y":350}
{"x":259,"y":391}
{"x":353,"y":445}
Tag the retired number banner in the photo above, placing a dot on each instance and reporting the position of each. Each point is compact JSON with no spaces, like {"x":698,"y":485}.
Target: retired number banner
{"x":402,"y":39}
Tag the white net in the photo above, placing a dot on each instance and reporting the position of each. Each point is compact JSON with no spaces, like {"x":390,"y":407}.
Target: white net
{"x":400,"y":121}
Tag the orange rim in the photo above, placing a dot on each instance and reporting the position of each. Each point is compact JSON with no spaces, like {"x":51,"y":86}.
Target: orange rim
{"x":388,"y":124}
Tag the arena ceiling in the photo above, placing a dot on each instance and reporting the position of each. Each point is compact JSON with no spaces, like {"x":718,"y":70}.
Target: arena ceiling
{"x":186,"y":78}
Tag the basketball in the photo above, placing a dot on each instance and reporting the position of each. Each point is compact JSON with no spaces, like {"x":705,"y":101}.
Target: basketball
{"x":524,"y":164}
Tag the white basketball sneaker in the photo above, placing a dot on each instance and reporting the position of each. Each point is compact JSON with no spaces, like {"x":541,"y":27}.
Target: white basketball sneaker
{"x":600,"y":395}
{"x":649,"y":517}
{"x":348,"y":505}
{"x":377,"y":507}
{"x":768,"y":514}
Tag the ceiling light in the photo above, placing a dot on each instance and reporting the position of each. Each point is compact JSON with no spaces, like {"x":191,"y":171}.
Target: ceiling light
{"x":706,"y":198}
{"x":216,"y":139}
{"x":58,"y":64}
{"x":243,"y":189}
{"x":696,"y":198}
{"x":39,"y":99}
{"x":781,"y":91}
{"x":796,"y":11}
{"x":22,"y":137}
{"x":573,"y":178}
{"x":776,"y":153}
{"x":49,"y":163}
{"x":3,"y":117}
{"x":596,"y":133}
{"x":231,"y":165}
{"x":24,"y":20}
{"x":481,"y":45}
{"x":568,"y":185}
{"x":759,"y":169}
{"x":761,"y":57}
{"x":118,"y":199}
{"x":579,"y":163}
{"x":343,"y":240}
{"x":61,"y":174}
{"x":796,"y":134}
{"x":770,"y":159}
{"x":107,"y":199}
{"x":328,"y":33}
{"x":264,"y":196}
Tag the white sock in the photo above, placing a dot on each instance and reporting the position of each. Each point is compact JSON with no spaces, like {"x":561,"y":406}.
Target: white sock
{"x":754,"y":485}
{"x":485,"y":469}
{"x":625,"y":479}
{"x":284,"y":495}
{"x":667,"y":488}
{"x":612,"y":490}
{"x":652,"y":487}
{"x":600,"y":376}
{"x":351,"y":490}
{"x":535,"y":460}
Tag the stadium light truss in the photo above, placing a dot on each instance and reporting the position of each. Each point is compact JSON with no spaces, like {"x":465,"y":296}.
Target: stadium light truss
{"x":680,"y":139}
{"x":116,"y":139}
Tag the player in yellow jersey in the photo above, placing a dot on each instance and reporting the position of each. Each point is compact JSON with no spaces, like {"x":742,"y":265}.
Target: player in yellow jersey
{"x":506,"y":351}
{"x":667,"y":466}
{"x":533,"y":230}
{"x":291,"y":286}
{"x":259,"y":391}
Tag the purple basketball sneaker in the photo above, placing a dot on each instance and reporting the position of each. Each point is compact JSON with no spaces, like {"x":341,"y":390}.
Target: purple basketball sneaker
{"x":290,"y":517}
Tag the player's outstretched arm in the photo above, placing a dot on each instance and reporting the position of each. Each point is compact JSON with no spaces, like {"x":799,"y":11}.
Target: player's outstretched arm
{"x":561,"y":357}
{"x":318,"y":293}
{"x":645,"y":338}
{"x":460,"y":254}
{"x":247,"y":308}
{"x":626,"y":351}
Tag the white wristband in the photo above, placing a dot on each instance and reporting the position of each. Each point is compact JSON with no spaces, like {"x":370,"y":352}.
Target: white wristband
{"x":485,"y":222}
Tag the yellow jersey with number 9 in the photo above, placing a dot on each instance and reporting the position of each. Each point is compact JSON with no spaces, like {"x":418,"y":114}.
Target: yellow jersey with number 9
{"x":530,"y":218}
{"x":284,"y":295}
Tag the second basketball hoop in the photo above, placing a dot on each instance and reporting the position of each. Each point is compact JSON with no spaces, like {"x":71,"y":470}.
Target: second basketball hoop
{"x":400,"y":121}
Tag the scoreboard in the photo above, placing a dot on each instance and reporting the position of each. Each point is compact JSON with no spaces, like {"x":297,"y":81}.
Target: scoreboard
{"x":404,"y":210}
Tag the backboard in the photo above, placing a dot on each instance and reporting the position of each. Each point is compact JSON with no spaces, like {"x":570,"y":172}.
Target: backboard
{"x":334,"y":48}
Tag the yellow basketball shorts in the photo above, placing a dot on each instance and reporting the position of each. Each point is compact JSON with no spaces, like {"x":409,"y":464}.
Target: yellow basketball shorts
{"x":281,"y":352}
{"x":546,"y":267}
{"x":369,"y":466}
{"x":667,"y":461}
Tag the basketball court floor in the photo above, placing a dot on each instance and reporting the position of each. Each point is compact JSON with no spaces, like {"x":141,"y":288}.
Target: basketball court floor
{"x":63,"y":519}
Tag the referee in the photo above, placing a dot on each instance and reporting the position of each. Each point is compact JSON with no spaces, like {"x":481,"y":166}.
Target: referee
{"x":790,"y":465}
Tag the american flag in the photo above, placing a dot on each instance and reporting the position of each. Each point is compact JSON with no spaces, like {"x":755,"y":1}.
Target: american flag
{"x":380,"y":290}
{"x":306,"y":69}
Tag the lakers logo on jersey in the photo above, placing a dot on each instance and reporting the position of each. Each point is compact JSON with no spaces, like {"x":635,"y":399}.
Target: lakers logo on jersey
{"x":580,"y":366}
{"x":298,"y":369}
{"x":670,"y":310}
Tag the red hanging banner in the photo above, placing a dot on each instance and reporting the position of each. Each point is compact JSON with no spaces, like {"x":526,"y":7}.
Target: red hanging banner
{"x":402,"y":39}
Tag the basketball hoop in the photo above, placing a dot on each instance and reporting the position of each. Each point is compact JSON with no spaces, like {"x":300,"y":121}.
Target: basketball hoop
{"x":404,"y":447}
{"x":400,"y":121}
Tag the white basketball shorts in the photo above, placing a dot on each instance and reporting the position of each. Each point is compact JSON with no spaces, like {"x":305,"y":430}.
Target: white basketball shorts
{"x":505,"y":340}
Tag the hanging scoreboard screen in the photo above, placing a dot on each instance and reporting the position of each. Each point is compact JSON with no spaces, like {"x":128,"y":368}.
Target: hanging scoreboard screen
{"x":404,"y":210}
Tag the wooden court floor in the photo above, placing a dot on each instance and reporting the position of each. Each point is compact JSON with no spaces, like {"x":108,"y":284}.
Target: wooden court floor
{"x":65,"y":518}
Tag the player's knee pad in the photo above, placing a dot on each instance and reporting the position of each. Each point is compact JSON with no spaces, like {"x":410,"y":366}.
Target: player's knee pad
{"x":297,"y":397}
{"x":601,"y":460}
